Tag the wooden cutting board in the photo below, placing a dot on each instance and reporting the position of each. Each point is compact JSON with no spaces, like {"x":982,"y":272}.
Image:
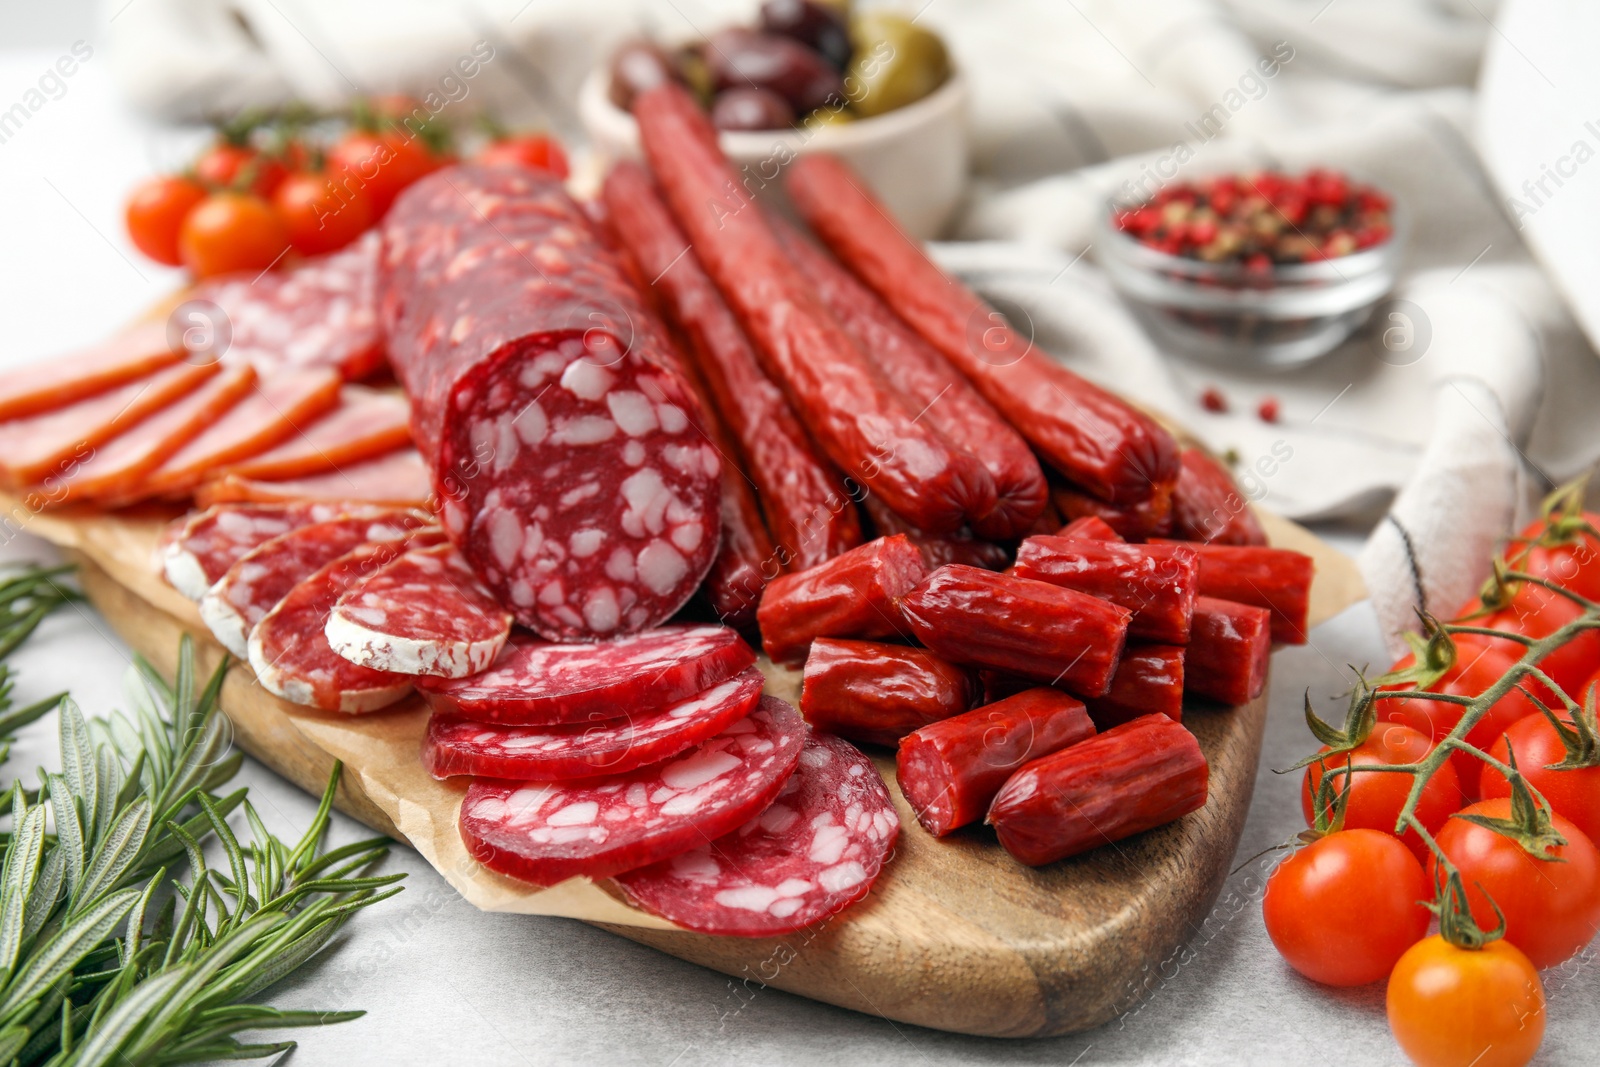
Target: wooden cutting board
{"x":956,"y":935}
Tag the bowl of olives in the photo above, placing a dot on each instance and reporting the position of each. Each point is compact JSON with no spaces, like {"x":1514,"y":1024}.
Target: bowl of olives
{"x":872,"y":87}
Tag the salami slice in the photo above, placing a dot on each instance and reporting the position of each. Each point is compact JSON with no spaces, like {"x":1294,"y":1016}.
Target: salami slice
{"x":36,"y":448}
{"x":204,"y":545}
{"x":292,"y":658}
{"x":364,"y":425}
{"x":274,"y":410}
{"x":322,"y":313}
{"x":582,"y":750}
{"x":561,"y":441}
{"x":814,"y":852}
{"x":254,"y":585}
{"x":398,"y":479}
{"x":55,"y":383}
{"x":425,"y":613}
{"x":538,"y":682}
{"x":547,"y":833}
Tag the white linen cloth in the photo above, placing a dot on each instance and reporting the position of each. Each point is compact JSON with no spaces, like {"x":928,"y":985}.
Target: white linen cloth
{"x":1482,"y":399}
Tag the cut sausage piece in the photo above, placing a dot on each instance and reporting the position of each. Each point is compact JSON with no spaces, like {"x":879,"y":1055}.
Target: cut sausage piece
{"x":1150,"y":517}
{"x":1277,"y":579}
{"x":1149,"y":680}
{"x":122,"y":463}
{"x":959,"y":546}
{"x":1229,"y":646}
{"x":424,"y":613}
{"x":55,"y":383}
{"x":205,"y":544}
{"x":876,"y":694}
{"x":598,"y":827}
{"x":582,"y":750}
{"x":949,"y":771}
{"x":560,"y":438}
{"x":539,"y":682}
{"x":1207,"y":505}
{"x":1132,"y":778}
{"x":273,"y":410}
{"x":1092,"y":527}
{"x":813,"y":853}
{"x":852,"y":595}
{"x":255,"y":584}
{"x":291,"y":656}
{"x":364,"y":425}
{"x":803,"y":496}
{"x":856,"y":417}
{"x":322,"y":313}
{"x":34,"y":449}
{"x":1155,"y":582}
{"x":398,"y":479}
{"x":1033,"y":629}
{"x":945,"y":398}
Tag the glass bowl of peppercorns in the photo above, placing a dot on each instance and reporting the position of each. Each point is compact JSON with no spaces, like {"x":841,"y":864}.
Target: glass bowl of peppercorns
{"x":1264,"y":267}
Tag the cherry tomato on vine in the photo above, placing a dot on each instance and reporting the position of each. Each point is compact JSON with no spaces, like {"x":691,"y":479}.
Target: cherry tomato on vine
{"x":383,"y":163}
{"x":529,"y":150}
{"x":1573,"y":560}
{"x":1376,"y":797}
{"x":1573,"y":793}
{"x":1343,"y":909}
{"x":230,"y":232}
{"x":322,"y":215}
{"x":1539,"y":612}
{"x":155,"y":213}
{"x":224,"y":164}
{"x":1552,"y":907}
{"x":1458,"y":1007}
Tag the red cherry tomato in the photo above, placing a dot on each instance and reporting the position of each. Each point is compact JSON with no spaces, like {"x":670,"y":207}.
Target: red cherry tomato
{"x":383,"y":164}
{"x":1343,"y":909}
{"x":1574,"y":793}
{"x":232,"y":232}
{"x":155,"y":212}
{"x":1574,"y":561}
{"x":1552,"y":908}
{"x":1376,"y":797}
{"x":528,"y":150}
{"x":322,"y":215}
{"x":1454,"y":1007}
{"x":1539,"y":612}
{"x":223,"y":164}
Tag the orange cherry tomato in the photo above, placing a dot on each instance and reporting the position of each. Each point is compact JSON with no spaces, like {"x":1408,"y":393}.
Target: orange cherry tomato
{"x":223,"y":165}
{"x":1376,"y":797}
{"x":1457,"y":1007}
{"x":528,"y":150}
{"x":383,"y":164}
{"x":155,"y":213}
{"x":1573,"y":792}
{"x":232,"y":232}
{"x":322,"y":215}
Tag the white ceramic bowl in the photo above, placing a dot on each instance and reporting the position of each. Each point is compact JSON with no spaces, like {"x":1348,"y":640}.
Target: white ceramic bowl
{"x":914,"y":158}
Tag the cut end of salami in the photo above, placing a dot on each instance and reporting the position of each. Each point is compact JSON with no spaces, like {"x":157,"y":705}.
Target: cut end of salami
{"x":542,"y":682}
{"x":814,"y":852}
{"x":547,"y":833}
{"x":425,"y":613}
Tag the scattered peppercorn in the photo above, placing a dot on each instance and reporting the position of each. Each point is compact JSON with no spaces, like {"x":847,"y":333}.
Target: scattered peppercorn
{"x":1262,"y":219}
{"x":1268,"y":409}
{"x":1213,"y":400}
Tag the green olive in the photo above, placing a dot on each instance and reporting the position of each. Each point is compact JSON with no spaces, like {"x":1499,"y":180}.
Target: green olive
{"x":896,"y":63}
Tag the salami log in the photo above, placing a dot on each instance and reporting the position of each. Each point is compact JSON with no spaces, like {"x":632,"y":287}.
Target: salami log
{"x":543,"y":399}
{"x":540,"y":682}
{"x":424,"y":613}
{"x":55,"y":383}
{"x":1229,"y":646}
{"x":272,"y":411}
{"x":876,"y":694}
{"x":1150,"y":517}
{"x":1028,"y":628}
{"x":51,"y":444}
{"x":1132,"y":778}
{"x":583,"y":750}
{"x":958,"y":546}
{"x":853,"y":595}
{"x":1155,"y":582}
{"x":546,"y":833}
{"x":1277,"y":579}
{"x":1090,"y":526}
{"x":1149,"y":680}
{"x":949,"y":771}
{"x":1092,"y":437}
{"x":320,"y":314}
{"x":206,"y":544}
{"x":261,"y":578}
{"x":816,"y":850}
{"x":1207,"y":505}
{"x":940,"y":393}
{"x":857,"y":419}
{"x":398,"y":479}
{"x":366,"y":424}
{"x":806,"y":505}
